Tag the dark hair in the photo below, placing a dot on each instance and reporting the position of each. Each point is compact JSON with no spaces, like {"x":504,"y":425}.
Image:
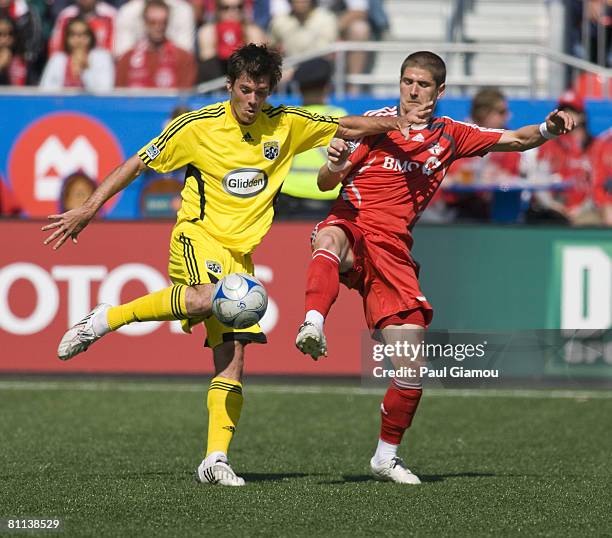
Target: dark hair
{"x":484,"y":101}
{"x":90,"y":33}
{"x":17,"y":42}
{"x":255,"y":61}
{"x":68,"y":185}
{"x":425,"y":59}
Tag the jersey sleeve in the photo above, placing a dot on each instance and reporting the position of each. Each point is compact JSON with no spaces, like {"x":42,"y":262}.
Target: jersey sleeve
{"x":170,"y":150}
{"x":310,"y":130}
{"x":472,"y":140}
{"x":360,"y":149}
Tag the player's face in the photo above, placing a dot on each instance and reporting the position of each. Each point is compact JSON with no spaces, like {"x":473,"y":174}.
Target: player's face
{"x":418,"y":87}
{"x":247,"y":97}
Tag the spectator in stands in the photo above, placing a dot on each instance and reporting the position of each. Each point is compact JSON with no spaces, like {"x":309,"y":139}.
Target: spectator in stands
{"x":570,"y":157}
{"x":76,"y":188}
{"x":358,"y":20}
{"x":300,"y":196}
{"x":217,"y":40}
{"x":9,"y":207}
{"x":100,"y":16}
{"x":489,"y":109}
{"x":29,"y":33}
{"x":13,"y":69}
{"x":155,"y":61}
{"x":80,"y":64}
{"x":130,"y":27}
{"x":304,"y":29}
{"x":598,"y":28}
{"x":602,"y":176}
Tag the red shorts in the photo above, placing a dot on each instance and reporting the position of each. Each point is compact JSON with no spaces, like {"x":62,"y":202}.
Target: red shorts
{"x":386,"y":277}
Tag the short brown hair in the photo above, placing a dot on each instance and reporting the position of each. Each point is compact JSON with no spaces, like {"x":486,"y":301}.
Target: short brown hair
{"x":255,"y":61}
{"x":485,"y":101}
{"x":425,"y":59}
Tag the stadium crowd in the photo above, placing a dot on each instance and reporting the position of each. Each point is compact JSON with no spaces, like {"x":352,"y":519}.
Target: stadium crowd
{"x":97,"y":45}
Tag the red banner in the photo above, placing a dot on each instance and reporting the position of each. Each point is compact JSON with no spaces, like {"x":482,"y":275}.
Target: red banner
{"x":43,"y":292}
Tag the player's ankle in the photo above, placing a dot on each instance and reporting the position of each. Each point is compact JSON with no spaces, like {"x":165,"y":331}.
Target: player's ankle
{"x":385,"y":451}
{"x":100,"y":323}
{"x":315,"y":317}
{"x":215,"y":456}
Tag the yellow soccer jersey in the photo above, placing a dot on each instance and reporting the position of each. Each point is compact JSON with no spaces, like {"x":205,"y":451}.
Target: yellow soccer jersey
{"x":235,"y":171}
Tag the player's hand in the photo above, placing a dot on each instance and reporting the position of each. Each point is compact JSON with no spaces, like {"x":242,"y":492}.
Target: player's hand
{"x":338,"y":153}
{"x":417,"y":116}
{"x":66,"y":225}
{"x":559,"y":122}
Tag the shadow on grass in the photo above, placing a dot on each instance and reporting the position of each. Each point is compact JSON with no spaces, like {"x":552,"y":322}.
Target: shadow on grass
{"x":424,"y":478}
{"x":273,"y":477}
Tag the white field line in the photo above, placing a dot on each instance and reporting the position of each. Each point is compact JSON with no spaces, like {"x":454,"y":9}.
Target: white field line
{"x":135,"y":386}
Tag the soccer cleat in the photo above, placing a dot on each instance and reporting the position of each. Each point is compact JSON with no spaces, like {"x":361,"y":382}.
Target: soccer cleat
{"x":393,"y":470}
{"x":311,"y":340}
{"x":218,"y":472}
{"x":81,"y":335}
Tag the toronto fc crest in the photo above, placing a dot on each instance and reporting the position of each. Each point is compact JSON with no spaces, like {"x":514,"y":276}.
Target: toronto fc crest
{"x":271,"y":149}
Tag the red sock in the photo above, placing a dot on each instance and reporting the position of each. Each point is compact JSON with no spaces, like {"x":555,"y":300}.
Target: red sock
{"x":322,"y":281}
{"x":397,"y":410}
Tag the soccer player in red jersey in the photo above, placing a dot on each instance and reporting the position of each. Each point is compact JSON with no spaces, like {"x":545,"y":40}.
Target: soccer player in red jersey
{"x":366,"y":240}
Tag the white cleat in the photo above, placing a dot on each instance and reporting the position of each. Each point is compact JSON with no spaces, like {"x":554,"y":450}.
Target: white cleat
{"x":218,"y":472}
{"x":81,"y":335}
{"x":311,"y":340}
{"x":393,"y":470}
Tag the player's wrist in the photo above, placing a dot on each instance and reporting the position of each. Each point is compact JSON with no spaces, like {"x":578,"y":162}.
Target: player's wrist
{"x":336,"y":167}
{"x":545,"y":132}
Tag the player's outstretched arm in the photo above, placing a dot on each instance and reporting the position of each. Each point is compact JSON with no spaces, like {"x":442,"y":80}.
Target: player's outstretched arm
{"x":557,"y":123}
{"x":337,"y":166}
{"x":351,"y":127}
{"x":71,"y":223}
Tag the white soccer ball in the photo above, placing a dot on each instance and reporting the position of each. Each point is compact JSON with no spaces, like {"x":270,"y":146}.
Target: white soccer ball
{"x":239,"y":300}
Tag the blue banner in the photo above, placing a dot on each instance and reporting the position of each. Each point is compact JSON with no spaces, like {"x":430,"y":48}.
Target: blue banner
{"x":45,"y":138}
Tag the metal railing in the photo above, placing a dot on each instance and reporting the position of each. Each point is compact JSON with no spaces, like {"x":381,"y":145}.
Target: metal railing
{"x":527,"y":81}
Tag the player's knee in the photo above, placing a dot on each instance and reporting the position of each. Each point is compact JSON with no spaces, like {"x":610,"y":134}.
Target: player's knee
{"x":329,"y":239}
{"x":199,"y":299}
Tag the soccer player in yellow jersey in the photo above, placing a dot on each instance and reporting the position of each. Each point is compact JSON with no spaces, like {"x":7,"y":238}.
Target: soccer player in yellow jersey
{"x":237,"y":154}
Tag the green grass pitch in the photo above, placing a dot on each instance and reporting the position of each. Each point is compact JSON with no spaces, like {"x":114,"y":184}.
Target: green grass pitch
{"x":116,"y":458}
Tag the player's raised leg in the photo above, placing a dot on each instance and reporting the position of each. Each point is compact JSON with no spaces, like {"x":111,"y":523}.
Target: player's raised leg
{"x":331,"y":255}
{"x":175,"y":302}
{"x":224,"y":404}
{"x":398,"y":406}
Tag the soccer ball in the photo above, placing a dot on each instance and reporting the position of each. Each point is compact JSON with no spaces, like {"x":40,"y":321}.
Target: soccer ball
{"x":239,"y":300}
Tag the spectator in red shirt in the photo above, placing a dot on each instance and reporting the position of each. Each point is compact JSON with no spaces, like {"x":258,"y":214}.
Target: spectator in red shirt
{"x":602,"y":176}
{"x":490,"y":110}
{"x":29,"y":33}
{"x":155,"y":61}
{"x":99,"y":15}
{"x":217,"y":40}
{"x":80,"y":64}
{"x":13,"y":69}
{"x":571,"y":158}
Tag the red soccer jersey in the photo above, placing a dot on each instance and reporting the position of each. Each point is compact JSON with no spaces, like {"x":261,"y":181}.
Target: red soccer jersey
{"x":393,"y":179}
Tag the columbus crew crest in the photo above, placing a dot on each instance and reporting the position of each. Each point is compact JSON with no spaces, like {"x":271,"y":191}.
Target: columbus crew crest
{"x":271,"y":149}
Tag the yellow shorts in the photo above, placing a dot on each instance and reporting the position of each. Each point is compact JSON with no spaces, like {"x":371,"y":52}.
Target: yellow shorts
{"x":197,"y":258}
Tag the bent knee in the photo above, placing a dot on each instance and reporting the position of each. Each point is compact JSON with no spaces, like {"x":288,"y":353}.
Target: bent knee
{"x":199,"y":299}
{"x":333,"y":239}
